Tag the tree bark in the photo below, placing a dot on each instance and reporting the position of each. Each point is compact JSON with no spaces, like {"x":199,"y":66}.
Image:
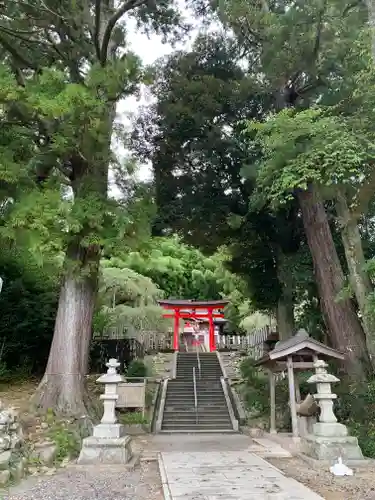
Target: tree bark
{"x":345,"y":330}
{"x":62,"y":387}
{"x":358,"y":277}
{"x":371,"y":20}
{"x":285,"y":318}
{"x":285,"y":305}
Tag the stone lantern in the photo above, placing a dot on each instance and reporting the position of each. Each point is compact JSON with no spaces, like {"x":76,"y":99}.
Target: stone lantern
{"x":108,"y":444}
{"x":108,"y":424}
{"x":329,"y":440}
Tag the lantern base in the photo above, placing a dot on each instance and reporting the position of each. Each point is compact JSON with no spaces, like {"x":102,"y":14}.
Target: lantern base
{"x":110,"y":451}
{"x":109,"y":431}
{"x":331,"y":448}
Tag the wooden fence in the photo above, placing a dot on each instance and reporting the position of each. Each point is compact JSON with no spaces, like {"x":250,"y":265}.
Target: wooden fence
{"x":253,"y":343}
{"x":153,"y":342}
{"x":125,"y":350}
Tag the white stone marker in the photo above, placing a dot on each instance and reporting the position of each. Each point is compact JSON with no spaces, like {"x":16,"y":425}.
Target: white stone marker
{"x":108,"y":444}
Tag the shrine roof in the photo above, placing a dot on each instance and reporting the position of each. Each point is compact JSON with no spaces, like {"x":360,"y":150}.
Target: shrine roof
{"x":193,"y":304}
{"x":301,"y":344}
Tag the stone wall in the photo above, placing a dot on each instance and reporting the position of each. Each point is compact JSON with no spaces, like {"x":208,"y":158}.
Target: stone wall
{"x":161,"y":364}
{"x":12,"y":461}
{"x":231,"y":362}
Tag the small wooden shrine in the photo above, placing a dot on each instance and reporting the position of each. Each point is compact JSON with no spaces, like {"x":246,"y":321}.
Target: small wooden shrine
{"x":299,"y":353}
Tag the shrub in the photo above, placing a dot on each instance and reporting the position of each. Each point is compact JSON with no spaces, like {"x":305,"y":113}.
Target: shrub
{"x":28,"y":303}
{"x":355,"y":407}
{"x":256,"y":394}
{"x":131,"y":418}
{"x":136,"y":369}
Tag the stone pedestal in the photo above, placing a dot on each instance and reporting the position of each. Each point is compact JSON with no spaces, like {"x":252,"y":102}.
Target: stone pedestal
{"x":329,"y":439}
{"x":108,"y":444}
{"x":108,"y":451}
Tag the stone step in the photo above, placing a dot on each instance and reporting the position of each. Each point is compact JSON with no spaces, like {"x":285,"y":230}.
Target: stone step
{"x":188,"y":417}
{"x":194,"y":427}
{"x":197,"y":431}
{"x":203,"y":395}
{"x":189,"y":369}
{"x":191,"y":399}
{"x":192,"y":422}
{"x":218,"y":406}
{"x":196,"y":364}
{"x":188,"y":390}
{"x":201,"y":402}
{"x":201,"y":411}
{"x":186,"y":366}
{"x":185,"y":405}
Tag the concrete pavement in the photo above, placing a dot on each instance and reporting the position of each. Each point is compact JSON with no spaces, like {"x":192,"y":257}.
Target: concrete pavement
{"x":224,"y":472}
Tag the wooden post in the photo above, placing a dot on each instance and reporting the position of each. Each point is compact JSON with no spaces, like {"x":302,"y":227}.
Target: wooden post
{"x":272,"y":402}
{"x":211,"y":331}
{"x":144,"y":398}
{"x":292,"y":397}
{"x":298,"y":392}
{"x":176,"y":329}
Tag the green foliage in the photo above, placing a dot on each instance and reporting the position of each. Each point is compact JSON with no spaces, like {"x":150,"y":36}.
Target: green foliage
{"x":256,"y":394}
{"x":355,"y":407}
{"x":136,"y":369}
{"x":180,"y":270}
{"x":28,"y":303}
{"x":312,"y":146}
{"x":132,"y":418}
{"x":128,"y":300}
{"x":256,"y":390}
{"x":121,"y":285}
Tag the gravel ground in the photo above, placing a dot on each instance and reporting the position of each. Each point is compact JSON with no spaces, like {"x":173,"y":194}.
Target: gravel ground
{"x":92,"y":483}
{"x":361,"y":486}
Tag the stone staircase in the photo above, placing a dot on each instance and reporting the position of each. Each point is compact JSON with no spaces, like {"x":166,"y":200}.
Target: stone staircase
{"x":212,"y":413}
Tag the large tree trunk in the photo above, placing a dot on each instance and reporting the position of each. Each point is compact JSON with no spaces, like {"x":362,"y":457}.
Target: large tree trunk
{"x":285,"y":318}
{"x":371,"y":18}
{"x":285,"y":305}
{"x":359,"y":279}
{"x":62,"y":387}
{"x":345,"y":330}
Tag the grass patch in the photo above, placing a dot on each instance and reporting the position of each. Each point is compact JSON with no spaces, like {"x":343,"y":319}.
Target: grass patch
{"x":132,"y":418}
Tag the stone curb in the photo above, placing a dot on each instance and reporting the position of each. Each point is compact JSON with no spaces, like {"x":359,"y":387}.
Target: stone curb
{"x":164,"y":479}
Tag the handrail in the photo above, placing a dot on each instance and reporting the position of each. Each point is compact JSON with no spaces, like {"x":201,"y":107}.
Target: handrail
{"x":199,"y":363}
{"x":159,"y":421}
{"x":174,"y":366}
{"x":195,"y":396}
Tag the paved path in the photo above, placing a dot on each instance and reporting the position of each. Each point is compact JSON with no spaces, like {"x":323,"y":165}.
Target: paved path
{"x":192,"y":467}
{"x":226,"y":475}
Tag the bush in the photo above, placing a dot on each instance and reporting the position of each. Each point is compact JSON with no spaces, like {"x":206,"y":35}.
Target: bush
{"x":132,"y":418}
{"x":355,"y":407}
{"x":28,"y":303}
{"x":136,"y":369}
{"x":256,"y":394}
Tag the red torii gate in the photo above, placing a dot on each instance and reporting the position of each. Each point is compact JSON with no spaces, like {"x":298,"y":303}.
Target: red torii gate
{"x":190,"y":309}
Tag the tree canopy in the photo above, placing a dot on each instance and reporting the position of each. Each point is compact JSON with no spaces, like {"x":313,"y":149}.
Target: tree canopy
{"x":261,"y":141}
